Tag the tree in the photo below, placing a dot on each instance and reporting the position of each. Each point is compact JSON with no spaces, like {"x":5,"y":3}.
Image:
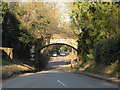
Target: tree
{"x":12,"y":35}
{"x":94,"y":21}
{"x":37,"y":18}
{"x":3,"y":11}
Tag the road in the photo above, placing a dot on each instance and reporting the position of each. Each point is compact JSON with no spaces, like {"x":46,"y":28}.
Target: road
{"x":56,"y":76}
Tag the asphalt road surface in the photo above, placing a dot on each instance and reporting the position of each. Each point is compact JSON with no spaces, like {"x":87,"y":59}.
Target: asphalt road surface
{"x":56,"y":76}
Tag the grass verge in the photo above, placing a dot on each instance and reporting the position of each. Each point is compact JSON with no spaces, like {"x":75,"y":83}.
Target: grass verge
{"x":10,"y":70}
{"x":112,"y":70}
{"x":13,"y":67}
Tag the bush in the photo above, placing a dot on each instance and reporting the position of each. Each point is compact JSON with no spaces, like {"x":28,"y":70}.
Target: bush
{"x":6,"y":62}
{"x":107,"y":51}
{"x":21,"y":52}
{"x":41,"y":61}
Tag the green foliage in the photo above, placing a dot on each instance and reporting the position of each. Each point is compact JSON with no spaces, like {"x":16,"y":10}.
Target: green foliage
{"x":6,"y":62}
{"x":107,"y":51}
{"x":13,"y":36}
{"x":10,"y":30}
{"x":3,"y":7}
{"x":41,"y":61}
{"x":21,"y":30}
{"x":26,"y":38}
{"x":94,"y":21}
{"x":65,"y":48}
{"x":37,"y":18}
{"x":3,"y":10}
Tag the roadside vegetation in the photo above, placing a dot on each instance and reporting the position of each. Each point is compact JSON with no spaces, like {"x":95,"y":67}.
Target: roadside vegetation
{"x":15,"y":69}
{"x":97,"y":26}
{"x":18,"y":33}
{"x":5,"y":62}
{"x":9,"y":68}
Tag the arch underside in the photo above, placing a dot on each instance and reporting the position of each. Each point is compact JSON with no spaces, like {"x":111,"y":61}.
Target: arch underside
{"x":58,"y":44}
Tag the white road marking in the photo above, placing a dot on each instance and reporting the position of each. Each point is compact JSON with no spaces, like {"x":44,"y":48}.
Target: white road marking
{"x":62,"y":83}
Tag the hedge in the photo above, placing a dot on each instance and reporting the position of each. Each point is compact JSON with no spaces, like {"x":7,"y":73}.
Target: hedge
{"x":107,"y":51}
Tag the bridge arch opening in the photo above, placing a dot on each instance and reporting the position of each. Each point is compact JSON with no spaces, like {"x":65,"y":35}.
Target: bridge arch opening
{"x":69,"y":56}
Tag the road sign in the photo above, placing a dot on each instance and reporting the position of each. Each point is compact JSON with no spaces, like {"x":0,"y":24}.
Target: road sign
{"x":32,"y":50}
{"x":32,"y":55}
{"x":32,"y":59}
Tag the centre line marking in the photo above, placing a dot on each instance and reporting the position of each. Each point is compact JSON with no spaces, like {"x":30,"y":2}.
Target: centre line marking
{"x":62,"y":83}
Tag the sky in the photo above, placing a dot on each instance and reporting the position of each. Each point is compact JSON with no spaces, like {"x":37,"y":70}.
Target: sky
{"x":65,"y":11}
